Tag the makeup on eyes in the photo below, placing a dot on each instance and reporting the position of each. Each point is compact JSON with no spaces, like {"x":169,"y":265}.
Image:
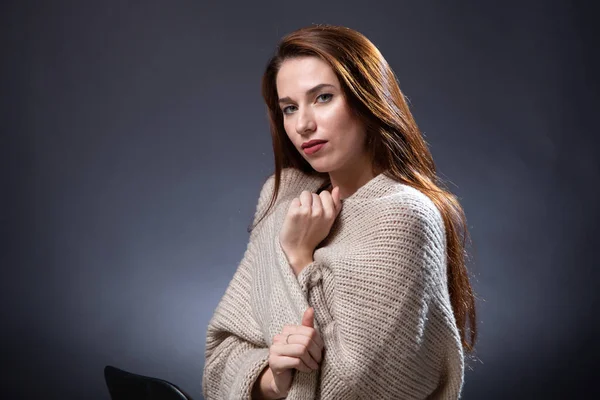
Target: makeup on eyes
{"x":324,"y":101}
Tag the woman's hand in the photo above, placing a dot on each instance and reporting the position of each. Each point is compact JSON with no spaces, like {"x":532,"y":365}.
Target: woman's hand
{"x":303,"y":351}
{"x":307,"y":223}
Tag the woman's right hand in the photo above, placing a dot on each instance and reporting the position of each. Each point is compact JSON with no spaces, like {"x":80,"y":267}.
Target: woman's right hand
{"x":302,"y":352}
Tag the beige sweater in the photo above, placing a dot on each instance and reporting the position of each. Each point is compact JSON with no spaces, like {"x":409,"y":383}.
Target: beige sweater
{"x":379,"y":289}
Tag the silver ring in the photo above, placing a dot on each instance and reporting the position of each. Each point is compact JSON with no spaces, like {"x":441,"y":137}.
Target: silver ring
{"x":287,"y":337}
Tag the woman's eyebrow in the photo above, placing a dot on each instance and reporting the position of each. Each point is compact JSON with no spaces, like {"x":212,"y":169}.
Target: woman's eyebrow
{"x":308,"y":92}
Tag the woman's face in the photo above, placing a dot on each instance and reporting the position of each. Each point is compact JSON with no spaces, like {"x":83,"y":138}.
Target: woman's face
{"x":314,"y":108}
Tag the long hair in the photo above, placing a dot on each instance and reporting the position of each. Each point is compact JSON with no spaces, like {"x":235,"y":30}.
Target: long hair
{"x":394,"y":141}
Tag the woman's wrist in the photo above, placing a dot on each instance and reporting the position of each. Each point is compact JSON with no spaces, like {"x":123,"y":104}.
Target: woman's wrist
{"x":264,"y":387}
{"x":300,"y":258}
{"x":298,"y":263}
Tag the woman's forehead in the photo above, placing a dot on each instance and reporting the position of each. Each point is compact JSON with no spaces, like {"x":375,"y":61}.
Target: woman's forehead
{"x":299,"y":76}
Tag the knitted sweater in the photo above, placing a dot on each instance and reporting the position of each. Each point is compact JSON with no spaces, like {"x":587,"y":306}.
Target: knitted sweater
{"x":379,"y":289}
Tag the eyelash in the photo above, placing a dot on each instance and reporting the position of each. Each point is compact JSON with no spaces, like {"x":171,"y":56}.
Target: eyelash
{"x":323,"y":94}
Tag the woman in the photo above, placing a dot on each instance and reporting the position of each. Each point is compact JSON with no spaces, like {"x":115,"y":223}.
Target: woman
{"x":353,"y":284}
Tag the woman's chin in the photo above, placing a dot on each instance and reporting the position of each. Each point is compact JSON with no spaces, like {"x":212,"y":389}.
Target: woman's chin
{"x":319,"y":167}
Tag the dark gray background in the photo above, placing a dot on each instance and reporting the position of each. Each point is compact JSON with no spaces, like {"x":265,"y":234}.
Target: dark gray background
{"x":135,"y":142}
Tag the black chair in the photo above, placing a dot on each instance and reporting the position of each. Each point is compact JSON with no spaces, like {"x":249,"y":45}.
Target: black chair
{"x":124,"y":385}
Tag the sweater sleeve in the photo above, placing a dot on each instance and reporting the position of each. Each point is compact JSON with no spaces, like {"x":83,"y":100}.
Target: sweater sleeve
{"x":385,"y":313}
{"x":235,"y":352}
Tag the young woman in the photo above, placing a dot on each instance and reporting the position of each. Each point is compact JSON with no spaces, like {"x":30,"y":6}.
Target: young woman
{"x":353,"y":284}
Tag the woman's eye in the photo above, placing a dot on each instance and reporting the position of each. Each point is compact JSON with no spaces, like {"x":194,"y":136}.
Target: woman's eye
{"x":285,"y":108}
{"x":325,"y":94}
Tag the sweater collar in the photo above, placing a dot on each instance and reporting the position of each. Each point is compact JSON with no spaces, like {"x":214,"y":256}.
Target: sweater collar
{"x":379,"y":186}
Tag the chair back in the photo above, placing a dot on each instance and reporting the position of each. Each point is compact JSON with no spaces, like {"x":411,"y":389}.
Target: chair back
{"x":123,"y":385}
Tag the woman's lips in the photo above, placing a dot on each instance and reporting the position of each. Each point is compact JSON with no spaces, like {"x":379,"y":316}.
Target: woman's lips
{"x":314,"y":149}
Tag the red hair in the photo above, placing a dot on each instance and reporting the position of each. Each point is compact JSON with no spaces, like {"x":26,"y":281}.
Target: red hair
{"x":395,"y":142}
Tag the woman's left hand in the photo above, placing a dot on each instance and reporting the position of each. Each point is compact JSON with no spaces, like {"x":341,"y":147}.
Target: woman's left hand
{"x":307,"y":223}
{"x":298,"y":347}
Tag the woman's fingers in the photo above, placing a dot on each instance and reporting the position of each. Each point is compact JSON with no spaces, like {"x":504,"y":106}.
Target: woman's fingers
{"x":286,"y":362}
{"x":310,"y":333}
{"x":295,"y":203}
{"x":313,"y":349}
{"x":306,"y":199}
{"x":335,"y":195}
{"x":325,"y":204}
{"x":297,"y":351}
{"x":312,"y":343}
{"x":328,"y":204}
{"x":317,"y":207}
{"x":314,"y":353}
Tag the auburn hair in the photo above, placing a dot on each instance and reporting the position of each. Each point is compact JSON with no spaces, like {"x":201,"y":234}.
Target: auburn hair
{"x":394,"y":141}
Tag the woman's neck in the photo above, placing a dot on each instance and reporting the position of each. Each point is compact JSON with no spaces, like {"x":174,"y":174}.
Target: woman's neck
{"x":350,"y":183}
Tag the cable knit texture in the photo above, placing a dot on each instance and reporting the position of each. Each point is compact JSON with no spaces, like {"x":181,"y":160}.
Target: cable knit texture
{"x":379,"y":289}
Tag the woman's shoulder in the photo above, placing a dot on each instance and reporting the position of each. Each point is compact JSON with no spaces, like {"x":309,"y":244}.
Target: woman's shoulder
{"x":399,"y":195}
{"x":405,"y":202}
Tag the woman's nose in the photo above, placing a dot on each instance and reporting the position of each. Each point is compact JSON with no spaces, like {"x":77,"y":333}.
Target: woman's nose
{"x":305,"y":122}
